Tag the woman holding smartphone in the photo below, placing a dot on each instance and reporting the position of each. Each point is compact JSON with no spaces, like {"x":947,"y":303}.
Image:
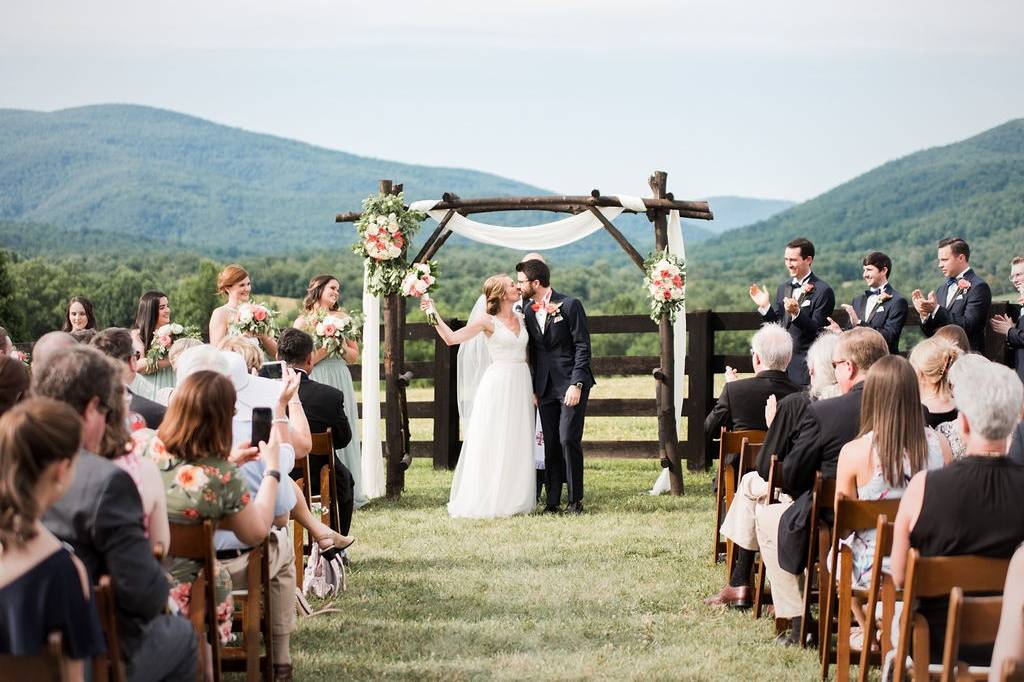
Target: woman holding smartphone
{"x":322,"y":298}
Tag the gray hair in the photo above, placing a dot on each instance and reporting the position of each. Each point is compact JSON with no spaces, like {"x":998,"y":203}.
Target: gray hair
{"x":49,"y":345}
{"x":819,"y":359}
{"x":197,"y":358}
{"x":990,"y":399}
{"x":773,"y":345}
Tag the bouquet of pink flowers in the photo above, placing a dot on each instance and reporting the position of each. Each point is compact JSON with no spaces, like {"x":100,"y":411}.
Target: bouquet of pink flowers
{"x":332,"y":330}
{"x":165,"y":336}
{"x":22,"y":357}
{"x":383,"y":238}
{"x":666,"y":284}
{"x":420,"y":281}
{"x":254,"y":319}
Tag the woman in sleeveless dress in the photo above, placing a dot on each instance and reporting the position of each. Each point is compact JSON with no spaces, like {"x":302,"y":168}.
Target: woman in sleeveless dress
{"x":234,"y":282}
{"x":894,"y":444}
{"x":495,"y":475}
{"x":322,"y":297}
{"x":153,"y":312}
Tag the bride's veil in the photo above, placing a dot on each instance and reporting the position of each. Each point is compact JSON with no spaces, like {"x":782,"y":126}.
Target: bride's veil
{"x":473,"y":359}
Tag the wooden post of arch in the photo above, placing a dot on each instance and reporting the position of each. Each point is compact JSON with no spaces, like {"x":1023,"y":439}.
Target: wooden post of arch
{"x":668,"y":436}
{"x":394,"y":361}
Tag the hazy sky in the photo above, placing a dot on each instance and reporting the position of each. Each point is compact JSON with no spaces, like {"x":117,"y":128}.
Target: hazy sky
{"x":774,"y":99}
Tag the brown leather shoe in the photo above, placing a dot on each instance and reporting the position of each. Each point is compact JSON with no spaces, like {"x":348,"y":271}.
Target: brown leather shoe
{"x":282,"y":672}
{"x":733,"y":597}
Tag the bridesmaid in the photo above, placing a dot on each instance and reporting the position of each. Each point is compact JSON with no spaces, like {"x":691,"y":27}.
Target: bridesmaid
{"x":322,"y":297}
{"x":153,"y":312}
{"x":234,"y":282}
{"x":78,"y":315}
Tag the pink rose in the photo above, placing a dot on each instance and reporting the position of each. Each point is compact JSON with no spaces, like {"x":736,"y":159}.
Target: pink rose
{"x":808,"y":288}
{"x":259,"y":314}
{"x":166,"y":341}
{"x":667,"y":294}
{"x":330,"y":329}
{"x":963,"y":284}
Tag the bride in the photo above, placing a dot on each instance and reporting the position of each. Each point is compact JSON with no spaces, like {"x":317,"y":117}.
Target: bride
{"x":495,"y":474}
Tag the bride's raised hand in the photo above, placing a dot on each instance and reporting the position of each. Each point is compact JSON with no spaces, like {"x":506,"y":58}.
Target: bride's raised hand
{"x":424,"y":303}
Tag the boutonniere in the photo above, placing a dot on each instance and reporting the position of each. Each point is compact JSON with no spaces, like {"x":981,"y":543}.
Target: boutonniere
{"x":883,"y":297}
{"x":807,"y":288}
{"x":963,"y":285}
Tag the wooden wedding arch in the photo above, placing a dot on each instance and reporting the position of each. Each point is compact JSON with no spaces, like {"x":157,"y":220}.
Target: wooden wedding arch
{"x":396,"y":378}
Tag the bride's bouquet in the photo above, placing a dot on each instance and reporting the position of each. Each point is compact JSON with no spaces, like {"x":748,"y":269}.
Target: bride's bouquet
{"x":164,"y":337}
{"x":419,"y":281}
{"x":254,"y":319}
{"x":332,"y":330}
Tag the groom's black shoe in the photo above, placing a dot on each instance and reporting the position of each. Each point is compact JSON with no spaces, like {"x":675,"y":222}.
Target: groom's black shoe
{"x":574,"y":508}
{"x":552,"y":509}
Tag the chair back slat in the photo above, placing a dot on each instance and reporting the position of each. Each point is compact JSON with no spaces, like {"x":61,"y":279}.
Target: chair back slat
{"x":195,"y":541}
{"x":775,"y":480}
{"x":749,"y":452}
{"x":49,"y":666}
{"x":852,"y":514}
{"x":323,"y":443}
{"x":732,"y":441}
{"x":971,"y":621}
{"x":105,"y":606}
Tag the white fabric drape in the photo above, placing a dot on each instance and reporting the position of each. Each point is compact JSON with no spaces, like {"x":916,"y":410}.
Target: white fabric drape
{"x":372,"y":462}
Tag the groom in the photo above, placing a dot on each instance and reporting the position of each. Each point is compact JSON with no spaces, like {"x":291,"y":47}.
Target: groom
{"x":559,"y":350}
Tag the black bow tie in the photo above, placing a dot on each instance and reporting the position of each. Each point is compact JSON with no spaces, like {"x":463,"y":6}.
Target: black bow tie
{"x":795,"y":284}
{"x":872,"y":292}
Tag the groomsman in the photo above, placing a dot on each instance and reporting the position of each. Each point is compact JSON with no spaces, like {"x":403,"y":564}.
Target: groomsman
{"x":963,"y":299}
{"x":1004,"y":325}
{"x":802,"y":305}
{"x":880,"y":307}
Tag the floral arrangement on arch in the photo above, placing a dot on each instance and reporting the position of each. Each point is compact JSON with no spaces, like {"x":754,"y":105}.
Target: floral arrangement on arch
{"x":165,"y":336}
{"x":386,"y":228}
{"x":254,"y":319}
{"x":666,"y":284}
{"x":330,"y":331}
{"x":418,"y":282}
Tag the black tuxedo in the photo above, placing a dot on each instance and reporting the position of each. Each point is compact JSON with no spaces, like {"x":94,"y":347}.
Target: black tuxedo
{"x":815,"y":308}
{"x":560,"y":357}
{"x":100,"y":516}
{"x":741,"y":403}
{"x":887,"y":317}
{"x":1015,"y":340}
{"x":153,"y":412}
{"x":968,"y":310}
{"x":324,"y":406}
{"x":1016,"y":451}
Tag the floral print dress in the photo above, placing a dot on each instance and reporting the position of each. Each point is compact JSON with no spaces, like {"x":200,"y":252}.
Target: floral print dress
{"x":208,"y":488}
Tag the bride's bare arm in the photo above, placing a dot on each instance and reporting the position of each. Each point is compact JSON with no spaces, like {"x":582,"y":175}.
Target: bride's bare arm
{"x":481,"y":324}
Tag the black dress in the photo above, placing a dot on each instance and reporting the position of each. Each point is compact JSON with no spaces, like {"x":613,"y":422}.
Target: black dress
{"x":971,"y":506}
{"x":933,"y":419}
{"x":48,"y":598}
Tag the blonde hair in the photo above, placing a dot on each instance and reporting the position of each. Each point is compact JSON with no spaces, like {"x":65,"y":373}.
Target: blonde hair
{"x":494,"y":291}
{"x":179,"y":347}
{"x":891,"y":408}
{"x":230,"y":276}
{"x":252,"y":355}
{"x":932,"y":359}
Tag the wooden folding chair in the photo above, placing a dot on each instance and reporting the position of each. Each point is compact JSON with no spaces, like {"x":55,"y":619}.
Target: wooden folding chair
{"x":880,"y":589}
{"x":936,"y":577}
{"x":823,"y":498}
{"x":253,"y":617}
{"x":747,"y":462}
{"x":195,"y":541}
{"x":971,"y":620}
{"x":774,"y":490}
{"x":49,"y":666}
{"x":730,"y":442}
{"x":109,"y":665}
{"x":850,"y":515}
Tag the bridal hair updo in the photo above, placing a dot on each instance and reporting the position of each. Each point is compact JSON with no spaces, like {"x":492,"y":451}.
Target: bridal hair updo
{"x":932,"y":359}
{"x":316,"y":289}
{"x":494,"y":291}
{"x":230,"y":276}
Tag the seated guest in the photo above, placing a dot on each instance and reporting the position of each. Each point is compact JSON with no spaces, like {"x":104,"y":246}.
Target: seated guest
{"x":933,"y":360}
{"x":325,"y":408}
{"x":963,"y":299}
{"x":1002,"y":324}
{"x":802,"y":305}
{"x":174,"y":353}
{"x":1009,"y":644}
{"x":116,"y":342}
{"x":880,"y":307}
{"x":14,"y":379}
{"x":973,"y":506}
{"x":827,"y":426}
{"x":43,"y":587}
{"x":738,"y":525}
{"x":741,"y":403}
{"x":955,"y":335}
{"x":101,"y":518}
{"x":894,"y":444}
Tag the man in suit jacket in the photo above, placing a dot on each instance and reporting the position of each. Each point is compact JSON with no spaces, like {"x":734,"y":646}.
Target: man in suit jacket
{"x":325,"y":408}
{"x":559,"y":351}
{"x":1002,"y":324}
{"x":802,"y":305}
{"x":116,"y":342}
{"x":741,"y":403}
{"x":880,"y":307}
{"x":827,"y":426}
{"x":100,"y":516}
{"x":963,"y":299}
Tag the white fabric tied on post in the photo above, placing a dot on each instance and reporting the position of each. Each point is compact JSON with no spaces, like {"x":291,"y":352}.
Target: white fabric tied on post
{"x":372,"y":462}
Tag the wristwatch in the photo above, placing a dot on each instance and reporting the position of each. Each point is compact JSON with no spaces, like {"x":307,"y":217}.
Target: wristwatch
{"x":579,"y":385}
{"x":272,"y":473}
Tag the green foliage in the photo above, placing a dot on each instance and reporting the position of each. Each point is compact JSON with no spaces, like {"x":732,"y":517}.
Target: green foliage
{"x":195,"y":296}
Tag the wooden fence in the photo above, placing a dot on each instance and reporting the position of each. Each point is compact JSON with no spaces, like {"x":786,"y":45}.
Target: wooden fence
{"x":702,"y":364}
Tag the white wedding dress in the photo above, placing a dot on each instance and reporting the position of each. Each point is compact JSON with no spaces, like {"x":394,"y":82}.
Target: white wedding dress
{"x":495,"y":475}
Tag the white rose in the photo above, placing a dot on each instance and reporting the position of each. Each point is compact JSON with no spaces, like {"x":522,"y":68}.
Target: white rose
{"x":393,"y":227}
{"x":177,"y":329}
{"x":245,"y":313}
{"x":392,"y":217}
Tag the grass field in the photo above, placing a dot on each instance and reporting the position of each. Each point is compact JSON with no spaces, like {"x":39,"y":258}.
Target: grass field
{"x":614,"y":594}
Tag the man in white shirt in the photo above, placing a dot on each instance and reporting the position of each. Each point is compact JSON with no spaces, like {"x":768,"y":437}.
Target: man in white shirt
{"x":964,"y":299}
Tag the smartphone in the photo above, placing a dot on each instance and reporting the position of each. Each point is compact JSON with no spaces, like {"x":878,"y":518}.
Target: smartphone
{"x":272,"y":370}
{"x":262,"y":418}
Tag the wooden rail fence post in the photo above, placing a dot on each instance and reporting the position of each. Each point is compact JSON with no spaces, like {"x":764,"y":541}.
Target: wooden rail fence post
{"x":394,"y":439}
{"x":700,"y":356}
{"x":446,"y":405}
